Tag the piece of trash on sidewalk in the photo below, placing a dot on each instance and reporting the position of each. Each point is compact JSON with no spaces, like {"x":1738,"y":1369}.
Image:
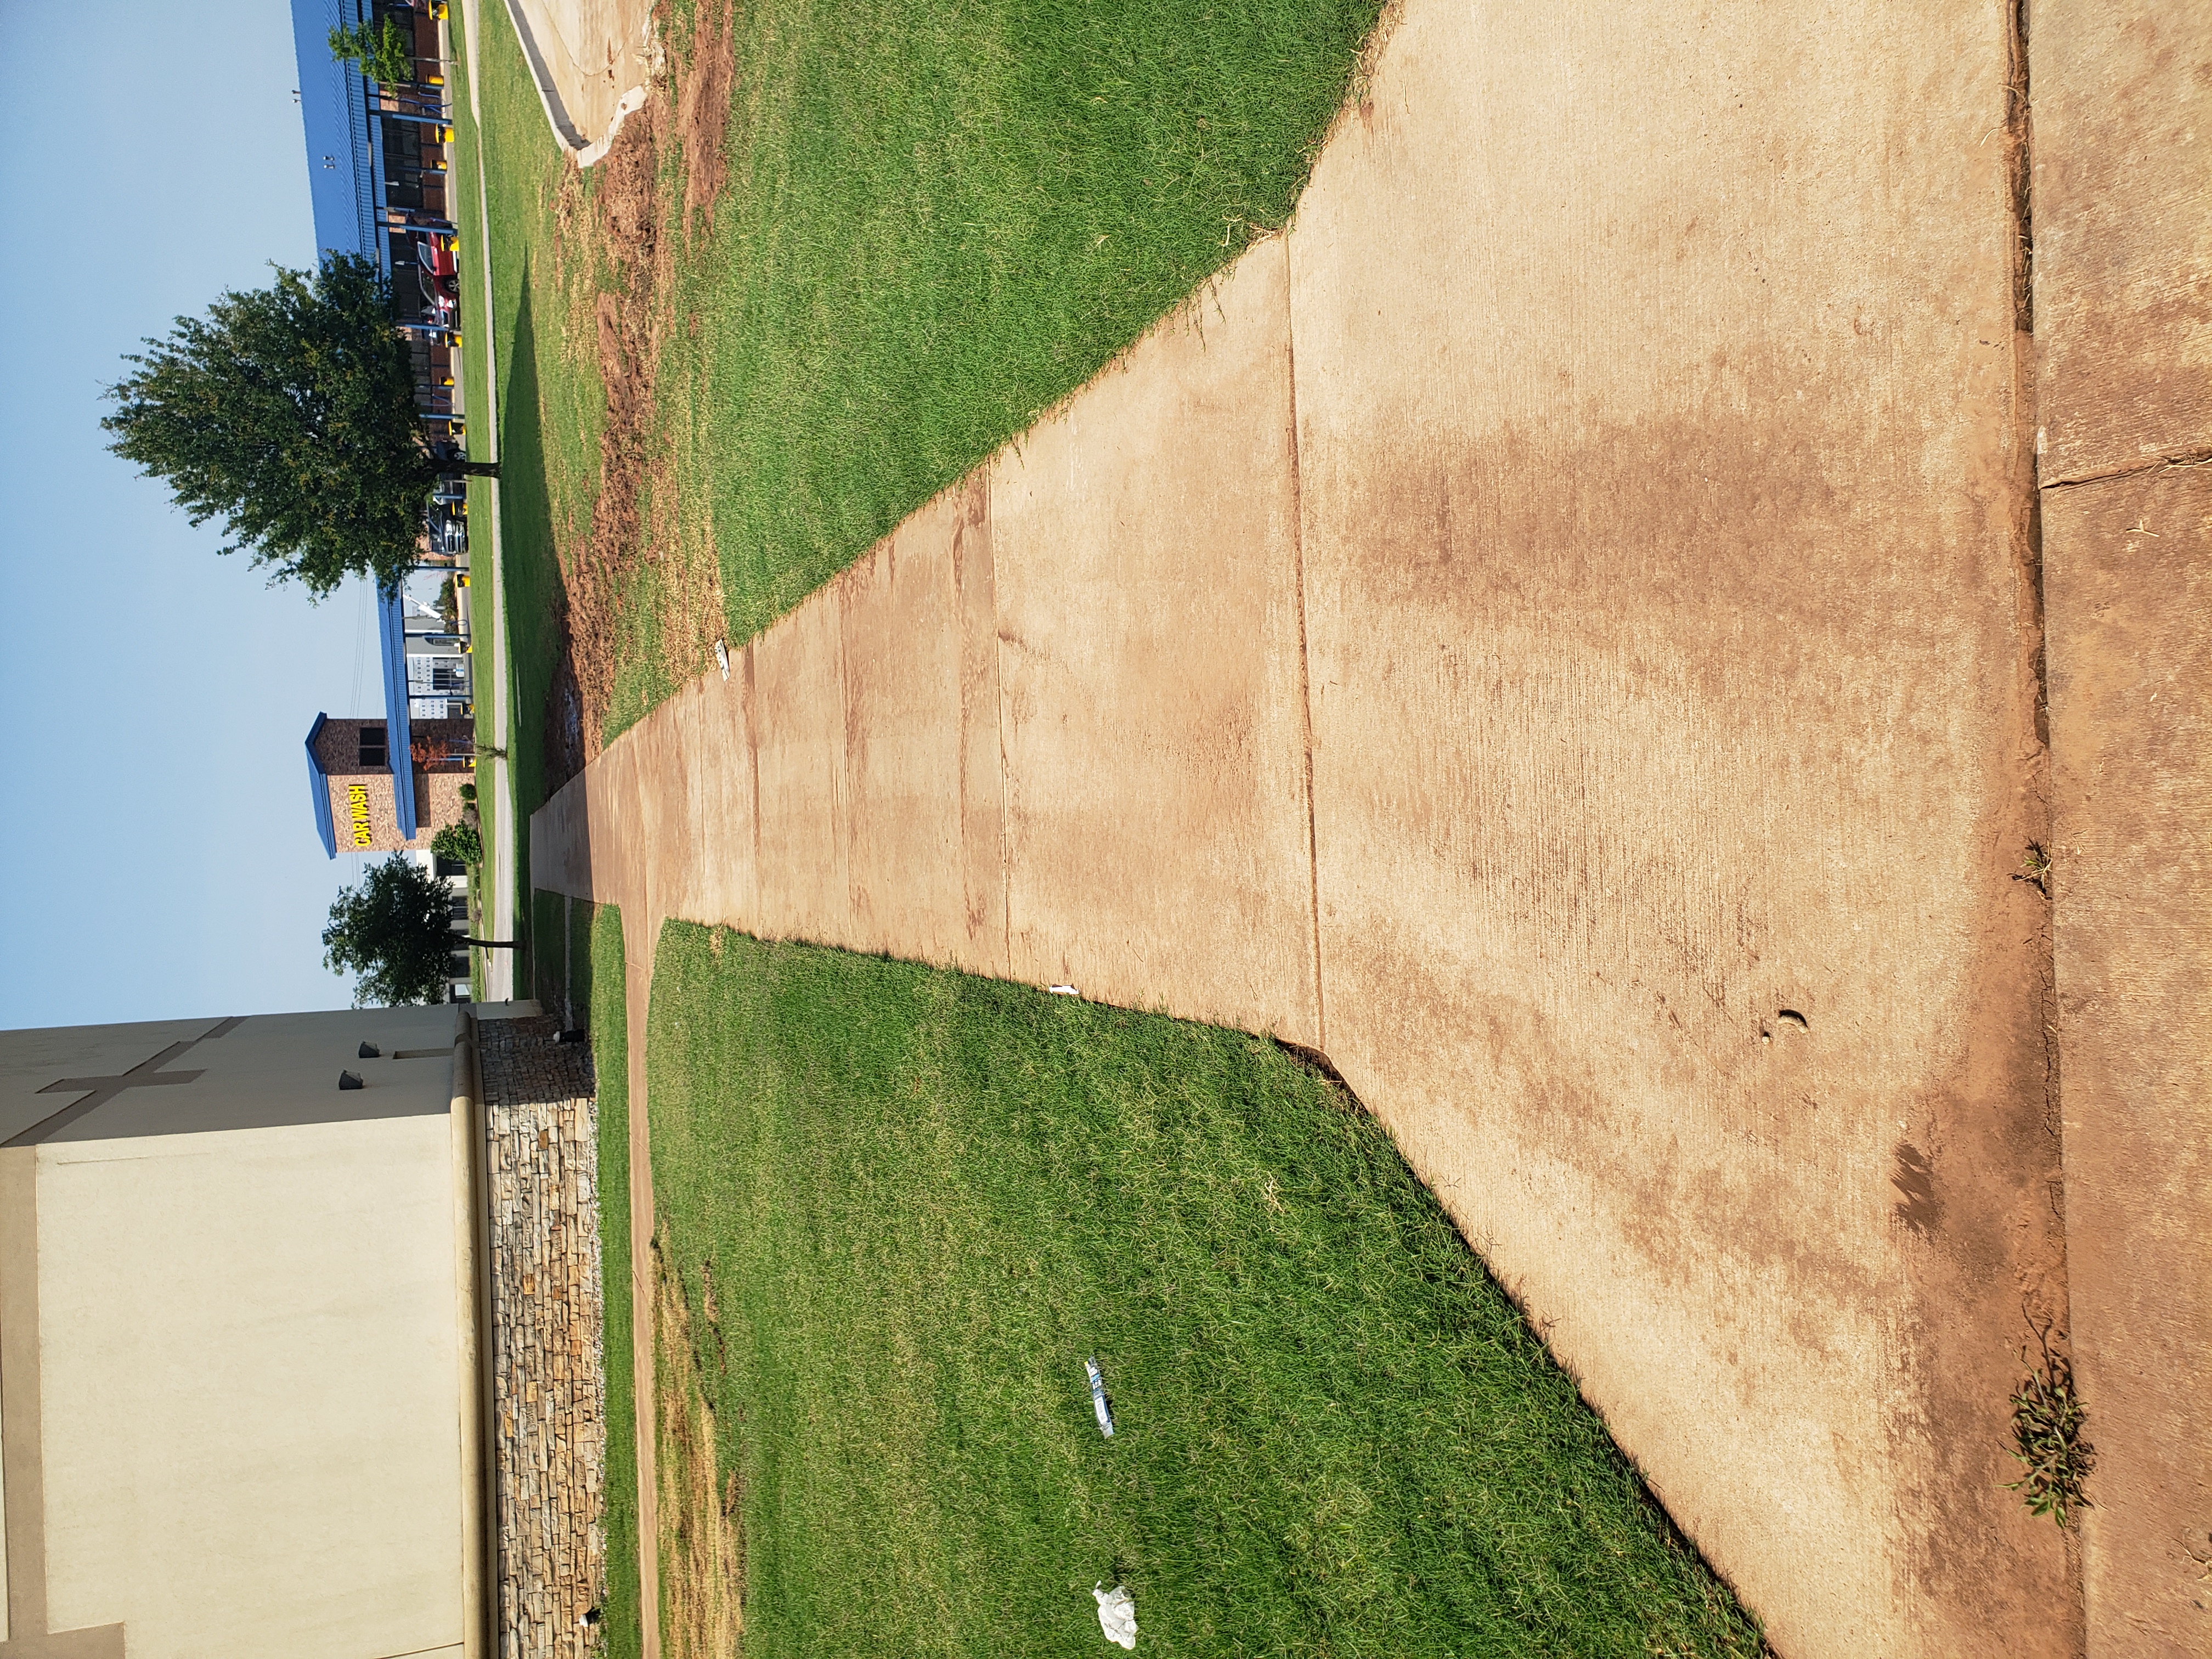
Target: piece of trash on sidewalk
{"x":1098,"y":1399}
{"x":1063,"y":990}
{"x":1117,"y":1616}
{"x":722,"y":658}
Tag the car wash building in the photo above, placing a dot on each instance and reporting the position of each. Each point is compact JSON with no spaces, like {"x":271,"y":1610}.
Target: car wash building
{"x":382,"y":782}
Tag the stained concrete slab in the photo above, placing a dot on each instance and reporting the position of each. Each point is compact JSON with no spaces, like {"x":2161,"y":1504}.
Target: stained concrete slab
{"x":1674,"y":748}
{"x":2128,"y":577}
{"x":1151,"y":676}
{"x":561,"y":839}
{"x":726,"y":790}
{"x":2122,"y":225}
{"x":918,"y":647}
{"x":799,"y":753}
{"x":667,"y":820}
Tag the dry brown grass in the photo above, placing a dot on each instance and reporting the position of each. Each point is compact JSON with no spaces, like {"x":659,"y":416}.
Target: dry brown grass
{"x":615,"y":266}
{"x":701,"y":1538}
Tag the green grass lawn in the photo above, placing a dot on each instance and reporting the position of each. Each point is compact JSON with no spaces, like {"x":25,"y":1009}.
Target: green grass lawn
{"x":938,"y":221}
{"x":924,"y":1199}
{"x":600,"y":965}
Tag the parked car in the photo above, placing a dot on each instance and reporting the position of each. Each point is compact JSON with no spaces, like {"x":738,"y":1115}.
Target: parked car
{"x":449,"y":529}
{"x":438,"y":269}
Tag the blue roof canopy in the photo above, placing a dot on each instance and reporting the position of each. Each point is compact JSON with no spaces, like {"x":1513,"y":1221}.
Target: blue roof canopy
{"x":318,"y":780}
{"x":392,"y":631}
{"x":342,"y":147}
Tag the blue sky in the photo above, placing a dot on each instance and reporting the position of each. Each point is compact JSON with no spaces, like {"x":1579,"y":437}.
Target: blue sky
{"x":158,"y":857}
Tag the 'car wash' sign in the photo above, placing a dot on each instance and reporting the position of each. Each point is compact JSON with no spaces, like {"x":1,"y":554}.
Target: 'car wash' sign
{"x":357,"y":809}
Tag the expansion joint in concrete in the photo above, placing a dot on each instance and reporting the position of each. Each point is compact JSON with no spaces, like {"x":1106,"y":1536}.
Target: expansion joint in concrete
{"x":999,"y":723}
{"x":2020,"y":167}
{"x":1305,"y":647}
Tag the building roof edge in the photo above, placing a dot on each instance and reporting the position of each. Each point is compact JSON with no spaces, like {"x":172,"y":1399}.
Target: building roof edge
{"x":400,"y":748}
{"x":319,"y":783}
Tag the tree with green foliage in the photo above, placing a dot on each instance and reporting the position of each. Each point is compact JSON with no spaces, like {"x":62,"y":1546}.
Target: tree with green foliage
{"x":289,"y":411}
{"x":386,"y":53}
{"x":395,"y":931}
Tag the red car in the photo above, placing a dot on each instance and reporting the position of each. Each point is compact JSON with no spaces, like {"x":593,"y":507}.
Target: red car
{"x":440,"y":273}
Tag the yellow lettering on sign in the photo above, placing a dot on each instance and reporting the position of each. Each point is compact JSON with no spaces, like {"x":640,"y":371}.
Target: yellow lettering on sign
{"x":358,"y":804}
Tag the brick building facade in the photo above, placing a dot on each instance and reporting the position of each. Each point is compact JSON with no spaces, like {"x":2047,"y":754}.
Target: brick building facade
{"x":353,"y":766}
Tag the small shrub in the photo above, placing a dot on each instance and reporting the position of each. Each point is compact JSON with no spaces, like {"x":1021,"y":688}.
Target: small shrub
{"x":459,"y":842}
{"x":468,"y":791}
{"x":2046,"y":1432}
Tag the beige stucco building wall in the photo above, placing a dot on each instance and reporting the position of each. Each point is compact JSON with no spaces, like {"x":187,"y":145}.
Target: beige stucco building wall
{"x":238,"y":1378}
{"x":251,"y":1386}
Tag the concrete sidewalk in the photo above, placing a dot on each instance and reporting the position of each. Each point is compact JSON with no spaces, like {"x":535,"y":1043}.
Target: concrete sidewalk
{"x":593,"y":62}
{"x":1560,"y":634}
{"x":2123,"y":333}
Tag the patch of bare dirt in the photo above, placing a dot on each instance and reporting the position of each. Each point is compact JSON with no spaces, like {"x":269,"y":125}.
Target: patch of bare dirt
{"x":701,"y":1535}
{"x":702,"y":111}
{"x":615,"y":232}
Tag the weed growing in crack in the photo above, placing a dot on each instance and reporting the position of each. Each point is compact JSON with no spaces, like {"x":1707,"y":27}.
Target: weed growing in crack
{"x":2046,"y":1432}
{"x":2035,"y":868}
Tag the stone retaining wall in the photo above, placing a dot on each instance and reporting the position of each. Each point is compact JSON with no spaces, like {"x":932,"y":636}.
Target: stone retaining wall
{"x":549,"y":1431}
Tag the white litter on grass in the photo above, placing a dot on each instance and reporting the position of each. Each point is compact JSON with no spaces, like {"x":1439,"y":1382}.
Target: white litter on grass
{"x":722,"y":658}
{"x":1063,"y":990}
{"x":1117,"y":1616}
{"x":1098,"y":1399}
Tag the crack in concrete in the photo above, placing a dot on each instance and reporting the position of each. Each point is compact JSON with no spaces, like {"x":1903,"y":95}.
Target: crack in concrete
{"x":2188,"y":457}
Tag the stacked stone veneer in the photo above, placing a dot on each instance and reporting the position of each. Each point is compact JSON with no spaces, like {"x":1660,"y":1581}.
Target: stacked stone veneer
{"x":550,"y":1394}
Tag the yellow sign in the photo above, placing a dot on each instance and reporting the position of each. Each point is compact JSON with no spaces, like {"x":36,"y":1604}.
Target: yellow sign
{"x":357,"y":808}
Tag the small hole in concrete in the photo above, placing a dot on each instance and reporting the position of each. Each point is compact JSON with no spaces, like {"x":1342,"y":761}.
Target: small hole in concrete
{"x":1791,"y":1017}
